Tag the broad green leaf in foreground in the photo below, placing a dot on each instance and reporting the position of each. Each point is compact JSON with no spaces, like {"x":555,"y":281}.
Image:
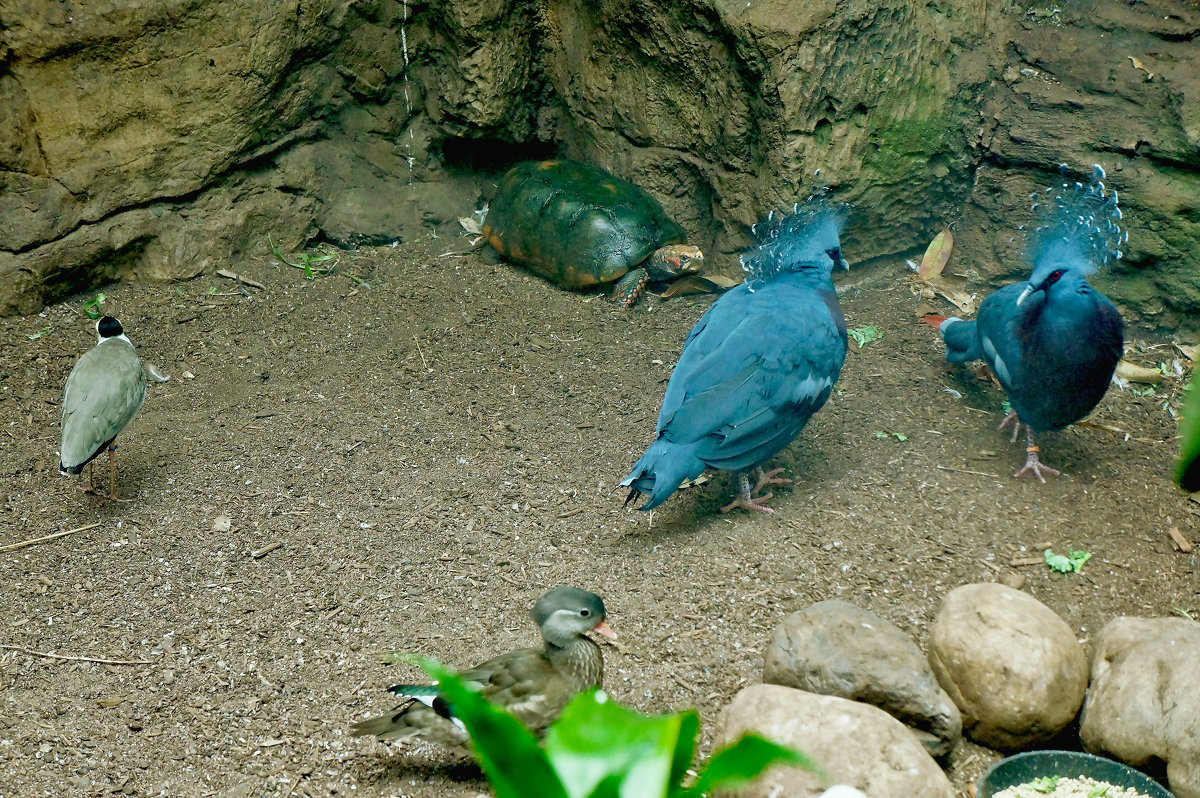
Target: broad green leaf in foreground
{"x":600,"y":749}
{"x":597,"y":740}
{"x":509,"y":755}
{"x":743,"y":762}
{"x":1188,"y":473}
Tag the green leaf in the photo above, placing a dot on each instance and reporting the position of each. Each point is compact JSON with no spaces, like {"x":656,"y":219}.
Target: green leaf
{"x":864,"y":335}
{"x":685,"y":748}
{"x":509,"y":755}
{"x":743,"y":762}
{"x":596,"y":740}
{"x":1057,"y":562}
{"x":43,"y":332}
{"x":1187,"y":474}
{"x":1045,"y":784}
{"x":1070,"y":564}
{"x":92,"y":306}
{"x":599,"y":749}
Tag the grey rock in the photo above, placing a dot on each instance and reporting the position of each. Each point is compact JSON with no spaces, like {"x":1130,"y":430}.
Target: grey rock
{"x":857,"y":745}
{"x":1011,"y":665}
{"x":1143,"y":702}
{"x":836,"y":648}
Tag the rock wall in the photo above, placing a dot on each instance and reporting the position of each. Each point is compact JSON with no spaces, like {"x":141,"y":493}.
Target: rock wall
{"x":156,"y":137}
{"x":1092,"y":82}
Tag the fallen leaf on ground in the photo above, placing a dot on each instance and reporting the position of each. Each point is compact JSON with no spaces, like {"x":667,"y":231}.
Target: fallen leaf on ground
{"x":1135,"y":373}
{"x":953,"y":290}
{"x":1137,"y":64}
{"x":936,"y":255}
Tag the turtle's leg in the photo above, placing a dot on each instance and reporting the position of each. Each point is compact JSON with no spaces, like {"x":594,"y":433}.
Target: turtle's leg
{"x":630,"y":286}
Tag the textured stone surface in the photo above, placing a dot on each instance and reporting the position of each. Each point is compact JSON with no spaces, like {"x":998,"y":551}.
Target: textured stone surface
{"x":384,"y":119}
{"x":132,"y":118}
{"x":1011,"y":665}
{"x":1143,"y":704}
{"x":857,"y":745}
{"x":836,"y":648}
{"x":1067,"y":90}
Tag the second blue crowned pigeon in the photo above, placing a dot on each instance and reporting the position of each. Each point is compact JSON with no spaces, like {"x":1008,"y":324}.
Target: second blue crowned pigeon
{"x":1052,"y":342}
{"x":756,"y":366}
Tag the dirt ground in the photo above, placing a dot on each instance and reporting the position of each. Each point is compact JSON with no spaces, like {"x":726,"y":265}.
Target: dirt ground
{"x":407,"y":467}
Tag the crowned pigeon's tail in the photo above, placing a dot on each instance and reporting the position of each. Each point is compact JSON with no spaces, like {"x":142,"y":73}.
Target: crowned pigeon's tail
{"x":961,"y":337}
{"x":660,"y":471}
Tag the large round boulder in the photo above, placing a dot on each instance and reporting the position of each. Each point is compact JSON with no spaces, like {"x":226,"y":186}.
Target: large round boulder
{"x":1013,"y":667}
{"x":836,"y":648}
{"x":1144,"y":702}
{"x":857,"y":745}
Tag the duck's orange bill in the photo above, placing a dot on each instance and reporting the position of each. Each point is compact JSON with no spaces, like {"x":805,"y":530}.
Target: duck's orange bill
{"x":604,"y":629}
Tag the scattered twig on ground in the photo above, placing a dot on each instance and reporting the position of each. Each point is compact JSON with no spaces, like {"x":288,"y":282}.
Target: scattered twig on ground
{"x":1179,"y":541}
{"x":419,"y":352}
{"x":263,"y":552}
{"x":968,"y":471}
{"x":35,"y":541}
{"x":239,"y":278}
{"x":101,"y":661}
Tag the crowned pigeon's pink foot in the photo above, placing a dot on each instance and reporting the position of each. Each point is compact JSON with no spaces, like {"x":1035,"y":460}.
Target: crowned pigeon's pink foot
{"x":769,"y":478}
{"x":746,"y":500}
{"x":1012,"y":416}
{"x":1031,"y":461}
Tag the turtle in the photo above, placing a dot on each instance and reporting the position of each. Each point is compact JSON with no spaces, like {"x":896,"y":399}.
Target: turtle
{"x":578,"y":226}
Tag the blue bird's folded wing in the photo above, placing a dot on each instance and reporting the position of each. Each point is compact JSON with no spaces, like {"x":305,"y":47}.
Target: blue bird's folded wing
{"x":751,"y":374}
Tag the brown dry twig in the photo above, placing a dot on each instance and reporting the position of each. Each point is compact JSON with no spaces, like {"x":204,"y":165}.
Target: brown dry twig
{"x":968,"y":471}
{"x":239,"y":278}
{"x":34,"y":541}
{"x":99,"y":660}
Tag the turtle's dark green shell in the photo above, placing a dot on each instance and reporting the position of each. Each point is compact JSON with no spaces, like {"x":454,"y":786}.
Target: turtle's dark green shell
{"x":575,"y":224}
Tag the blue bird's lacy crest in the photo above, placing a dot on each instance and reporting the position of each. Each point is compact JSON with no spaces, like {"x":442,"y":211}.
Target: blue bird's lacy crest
{"x":1078,"y":226}
{"x":796,"y":241}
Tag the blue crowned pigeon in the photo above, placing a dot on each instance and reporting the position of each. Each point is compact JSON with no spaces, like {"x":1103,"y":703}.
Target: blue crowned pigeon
{"x":1053,"y":342}
{"x":756,"y":366}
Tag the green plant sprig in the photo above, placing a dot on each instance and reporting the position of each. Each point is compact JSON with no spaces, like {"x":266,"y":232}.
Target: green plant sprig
{"x":599,"y":749}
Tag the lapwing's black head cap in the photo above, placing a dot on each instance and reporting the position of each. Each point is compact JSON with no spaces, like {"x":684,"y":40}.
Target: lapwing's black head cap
{"x":108,"y":327}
